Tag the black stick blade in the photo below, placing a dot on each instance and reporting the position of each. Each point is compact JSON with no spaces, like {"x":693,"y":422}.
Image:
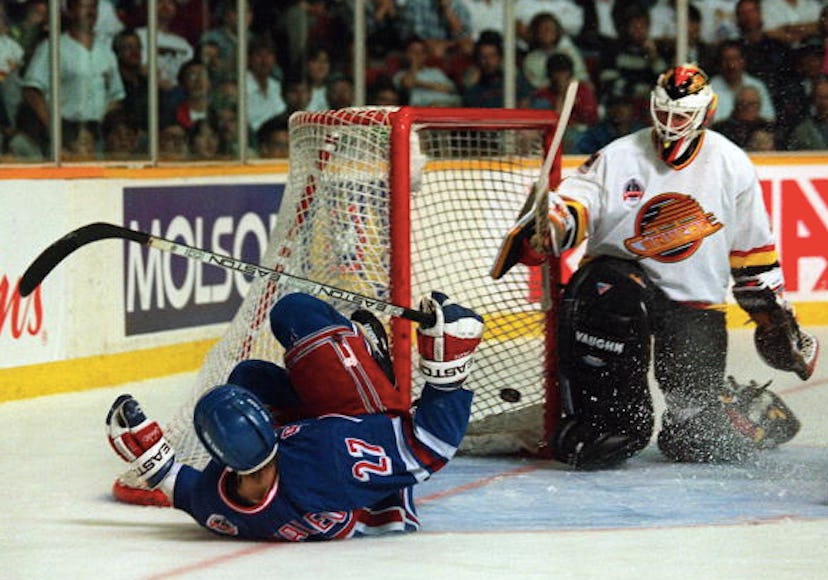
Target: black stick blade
{"x":58,"y":251}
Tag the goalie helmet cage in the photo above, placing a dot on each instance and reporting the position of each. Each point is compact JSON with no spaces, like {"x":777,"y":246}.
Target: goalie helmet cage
{"x":393,"y":203}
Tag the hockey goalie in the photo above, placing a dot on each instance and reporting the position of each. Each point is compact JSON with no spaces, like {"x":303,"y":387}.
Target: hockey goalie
{"x":672,"y":215}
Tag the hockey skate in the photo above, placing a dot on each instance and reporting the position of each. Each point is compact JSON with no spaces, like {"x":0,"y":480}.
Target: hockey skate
{"x":759,"y":413}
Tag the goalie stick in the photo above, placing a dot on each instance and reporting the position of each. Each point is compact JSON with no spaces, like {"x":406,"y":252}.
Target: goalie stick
{"x":59,"y":250}
{"x":534,"y":211}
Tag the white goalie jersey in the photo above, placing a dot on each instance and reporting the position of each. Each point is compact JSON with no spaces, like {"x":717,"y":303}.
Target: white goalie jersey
{"x":688,"y":227}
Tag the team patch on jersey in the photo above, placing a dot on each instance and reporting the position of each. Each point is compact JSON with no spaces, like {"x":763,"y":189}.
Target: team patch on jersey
{"x":633,"y":192}
{"x":670,"y":228}
{"x":222,"y":525}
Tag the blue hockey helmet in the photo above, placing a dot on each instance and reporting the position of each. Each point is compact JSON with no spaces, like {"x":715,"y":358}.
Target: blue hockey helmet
{"x":235,"y":427}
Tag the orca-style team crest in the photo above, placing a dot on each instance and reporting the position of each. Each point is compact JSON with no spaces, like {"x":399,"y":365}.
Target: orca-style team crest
{"x":222,"y":525}
{"x":633,"y":192}
{"x":670,"y":228}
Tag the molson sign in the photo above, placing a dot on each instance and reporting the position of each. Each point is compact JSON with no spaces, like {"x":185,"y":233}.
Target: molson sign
{"x":167,"y":292}
{"x":19,"y":316}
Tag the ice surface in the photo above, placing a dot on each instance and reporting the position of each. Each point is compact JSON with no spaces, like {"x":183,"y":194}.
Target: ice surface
{"x":482,"y":518}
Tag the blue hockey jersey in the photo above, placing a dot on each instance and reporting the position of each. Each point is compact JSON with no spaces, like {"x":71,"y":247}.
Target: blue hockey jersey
{"x":338,"y":476}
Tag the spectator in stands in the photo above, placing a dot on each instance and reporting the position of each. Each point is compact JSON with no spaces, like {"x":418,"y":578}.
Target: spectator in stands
{"x":11,"y":58}
{"x":108,"y":24}
{"x":31,"y":28}
{"x":203,"y":140}
{"x":791,"y":21}
{"x":768,"y":59}
{"x":812,"y":132}
{"x":79,"y":142}
{"x":317,"y":73}
{"x":29,"y":140}
{"x":443,"y":25}
{"x":620,"y":119}
{"x":209,"y":53}
{"x":719,"y":23}
{"x":192,"y":19}
{"x":424,"y":85}
{"x":121,"y":140}
{"x":173,"y":49}
{"x":264,"y":92}
{"x":195,"y":83}
{"x":568,"y":13}
{"x":546,"y":37}
{"x":698,"y":51}
{"x":273,"y":138}
{"x":732,"y":77}
{"x":224,"y":37}
{"x":385,"y":29}
{"x":483,"y":14}
{"x":560,"y":72}
{"x":382,"y":92}
{"x":127,"y":47}
{"x":172,"y":143}
{"x":340,"y":93}
{"x":89,"y":79}
{"x":745,"y":118}
{"x":483,"y":83}
{"x":631,"y":64}
{"x":299,"y":22}
{"x":762,"y":139}
{"x":296,"y":94}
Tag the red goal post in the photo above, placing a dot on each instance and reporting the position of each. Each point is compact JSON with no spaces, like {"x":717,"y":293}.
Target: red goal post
{"x":393,"y":203}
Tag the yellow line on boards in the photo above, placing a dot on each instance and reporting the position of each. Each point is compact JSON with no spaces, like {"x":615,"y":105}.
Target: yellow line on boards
{"x":113,"y":369}
{"x":80,"y":374}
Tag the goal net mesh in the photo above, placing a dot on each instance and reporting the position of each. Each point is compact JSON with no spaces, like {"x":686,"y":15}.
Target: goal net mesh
{"x":393,"y":203}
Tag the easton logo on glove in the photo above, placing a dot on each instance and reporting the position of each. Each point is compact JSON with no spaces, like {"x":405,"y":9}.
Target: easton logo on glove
{"x":446,"y":347}
{"x":139,"y":441}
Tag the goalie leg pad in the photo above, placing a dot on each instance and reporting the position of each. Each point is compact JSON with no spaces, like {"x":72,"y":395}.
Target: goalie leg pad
{"x":604,"y":348}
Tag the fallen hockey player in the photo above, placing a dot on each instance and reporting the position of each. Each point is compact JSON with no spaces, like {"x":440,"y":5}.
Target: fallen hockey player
{"x":326,"y":447}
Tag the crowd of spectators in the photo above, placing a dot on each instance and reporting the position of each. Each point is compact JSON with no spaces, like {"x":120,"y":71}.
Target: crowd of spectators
{"x":766,"y":59}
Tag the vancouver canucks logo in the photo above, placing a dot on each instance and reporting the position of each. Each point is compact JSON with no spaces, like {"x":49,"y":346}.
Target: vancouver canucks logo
{"x":670,"y":228}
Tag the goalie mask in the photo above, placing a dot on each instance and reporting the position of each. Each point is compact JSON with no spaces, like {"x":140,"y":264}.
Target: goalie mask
{"x":681,"y":105}
{"x":235,"y":428}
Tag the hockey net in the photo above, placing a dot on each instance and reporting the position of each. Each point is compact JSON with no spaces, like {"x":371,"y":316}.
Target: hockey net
{"x":393,"y":203}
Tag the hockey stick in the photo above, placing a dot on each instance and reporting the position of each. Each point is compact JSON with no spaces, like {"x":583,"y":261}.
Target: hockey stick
{"x":59,"y":250}
{"x":542,"y":192}
{"x":541,"y":189}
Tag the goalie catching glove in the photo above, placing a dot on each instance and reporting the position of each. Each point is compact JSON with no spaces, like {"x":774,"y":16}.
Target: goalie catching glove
{"x":446,"y":347}
{"x":779,"y":340}
{"x":784,"y":346}
{"x":139,"y":441}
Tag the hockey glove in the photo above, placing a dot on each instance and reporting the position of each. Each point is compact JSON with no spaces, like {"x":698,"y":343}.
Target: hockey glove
{"x":785,"y":346}
{"x":139,"y":441}
{"x":778,"y":339}
{"x":758,"y":413}
{"x":527,"y":244}
{"x":447,"y":346}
